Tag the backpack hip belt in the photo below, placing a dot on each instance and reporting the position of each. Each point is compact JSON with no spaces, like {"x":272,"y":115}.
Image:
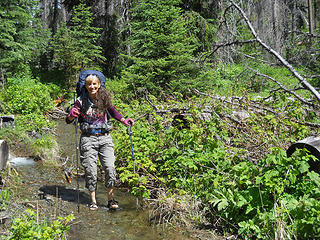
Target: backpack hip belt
{"x":92,"y":129}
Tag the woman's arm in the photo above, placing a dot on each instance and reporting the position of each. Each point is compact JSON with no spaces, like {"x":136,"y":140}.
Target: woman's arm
{"x":115,"y":114}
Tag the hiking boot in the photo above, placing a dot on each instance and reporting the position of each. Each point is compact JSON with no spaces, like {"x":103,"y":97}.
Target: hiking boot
{"x":113,"y":204}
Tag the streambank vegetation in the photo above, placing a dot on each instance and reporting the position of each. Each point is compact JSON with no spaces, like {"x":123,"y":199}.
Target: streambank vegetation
{"x":217,"y":99}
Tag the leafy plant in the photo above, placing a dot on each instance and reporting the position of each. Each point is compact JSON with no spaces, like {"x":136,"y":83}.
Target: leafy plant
{"x":211,"y":160}
{"x":4,"y":198}
{"x":27,"y":227}
{"x":26,"y":96}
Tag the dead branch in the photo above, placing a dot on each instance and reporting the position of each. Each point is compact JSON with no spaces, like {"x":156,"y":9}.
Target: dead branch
{"x":301,"y":99}
{"x":303,"y":81}
{"x":220,"y":45}
{"x":307,"y":34}
{"x":231,"y":102}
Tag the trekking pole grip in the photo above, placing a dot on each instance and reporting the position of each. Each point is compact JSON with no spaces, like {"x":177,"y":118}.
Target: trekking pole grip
{"x":129,"y":130}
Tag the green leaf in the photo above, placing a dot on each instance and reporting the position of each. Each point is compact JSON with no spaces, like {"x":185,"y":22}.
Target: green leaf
{"x":223,"y":204}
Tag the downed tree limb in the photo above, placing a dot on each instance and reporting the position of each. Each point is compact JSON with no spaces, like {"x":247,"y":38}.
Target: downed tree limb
{"x":252,"y":107}
{"x":301,"y":99}
{"x":223,"y":99}
{"x":302,"y":80}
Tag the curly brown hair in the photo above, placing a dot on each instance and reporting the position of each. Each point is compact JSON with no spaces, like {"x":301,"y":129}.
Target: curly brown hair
{"x":103,"y":100}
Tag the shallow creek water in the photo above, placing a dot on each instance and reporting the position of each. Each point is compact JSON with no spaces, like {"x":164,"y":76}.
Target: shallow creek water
{"x":48,"y":183}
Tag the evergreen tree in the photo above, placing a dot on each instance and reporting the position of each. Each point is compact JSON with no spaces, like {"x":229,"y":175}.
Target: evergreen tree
{"x":75,"y":46}
{"x":161,"y":54}
{"x":22,"y":38}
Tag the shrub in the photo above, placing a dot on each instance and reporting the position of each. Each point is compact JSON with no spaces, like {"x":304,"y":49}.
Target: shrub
{"x":26,"y":96}
{"x":27,"y":227}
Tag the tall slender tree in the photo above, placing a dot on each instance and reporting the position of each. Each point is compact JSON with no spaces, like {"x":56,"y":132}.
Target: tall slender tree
{"x":75,"y":46}
{"x":161,"y":49}
{"x":22,"y":37}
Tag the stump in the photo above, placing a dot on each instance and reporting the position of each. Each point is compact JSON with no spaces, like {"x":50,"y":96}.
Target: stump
{"x":4,"y":154}
{"x":312,"y":144}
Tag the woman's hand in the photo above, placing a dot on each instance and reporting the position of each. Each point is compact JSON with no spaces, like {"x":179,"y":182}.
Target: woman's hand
{"x":74,"y":113}
{"x":128,"y":122}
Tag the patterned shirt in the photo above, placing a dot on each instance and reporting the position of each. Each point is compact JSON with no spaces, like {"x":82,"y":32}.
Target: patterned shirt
{"x":93,"y":115}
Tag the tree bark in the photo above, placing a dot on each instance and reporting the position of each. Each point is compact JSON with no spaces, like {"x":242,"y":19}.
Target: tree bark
{"x":310,"y":16}
{"x":293,"y":19}
{"x":45,"y":13}
{"x":55,"y":17}
{"x":276,"y":25}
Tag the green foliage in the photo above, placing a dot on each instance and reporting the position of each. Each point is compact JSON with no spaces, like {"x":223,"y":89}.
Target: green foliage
{"x":234,"y":79}
{"x":202,"y":29}
{"x":22,"y":37}
{"x":26,"y":96}
{"x":27,"y":227}
{"x":29,"y":101}
{"x":33,"y":122}
{"x":4,"y":198}
{"x":75,"y":47}
{"x":161,"y":50}
{"x":209,"y":161}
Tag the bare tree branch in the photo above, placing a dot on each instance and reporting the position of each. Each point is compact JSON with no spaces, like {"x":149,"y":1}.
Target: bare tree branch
{"x":301,"y":99}
{"x":218,"y":46}
{"x":302,"y":80}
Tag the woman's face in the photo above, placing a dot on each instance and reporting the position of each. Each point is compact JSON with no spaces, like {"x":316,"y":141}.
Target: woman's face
{"x":93,"y":85}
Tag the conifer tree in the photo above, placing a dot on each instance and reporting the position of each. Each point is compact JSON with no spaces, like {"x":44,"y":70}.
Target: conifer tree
{"x":161,"y":49}
{"x":75,"y":46}
{"x":22,"y":38}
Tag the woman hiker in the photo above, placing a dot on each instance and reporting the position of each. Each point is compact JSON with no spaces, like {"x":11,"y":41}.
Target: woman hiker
{"x":94,"y":108}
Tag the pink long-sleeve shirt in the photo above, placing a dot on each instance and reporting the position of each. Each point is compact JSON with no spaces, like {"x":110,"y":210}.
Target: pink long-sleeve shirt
{"x":93,"y":115}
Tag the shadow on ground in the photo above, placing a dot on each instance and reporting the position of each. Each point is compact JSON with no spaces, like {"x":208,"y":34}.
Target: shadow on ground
{"x":66,"y":194}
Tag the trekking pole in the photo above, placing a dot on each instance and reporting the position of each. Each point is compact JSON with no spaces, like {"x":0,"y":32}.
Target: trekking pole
{"x":77,"y":157}
{"x":133,"y":159}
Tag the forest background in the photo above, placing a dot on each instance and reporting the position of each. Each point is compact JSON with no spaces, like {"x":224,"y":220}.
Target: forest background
{"x":219,"y":90}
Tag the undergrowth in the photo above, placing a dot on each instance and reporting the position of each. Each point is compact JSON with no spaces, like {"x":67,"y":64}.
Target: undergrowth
{"x":236,"y":168}
{"x":28,"y":100}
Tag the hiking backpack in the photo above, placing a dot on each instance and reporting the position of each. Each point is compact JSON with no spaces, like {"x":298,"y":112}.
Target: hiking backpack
{"x":82,"y":80}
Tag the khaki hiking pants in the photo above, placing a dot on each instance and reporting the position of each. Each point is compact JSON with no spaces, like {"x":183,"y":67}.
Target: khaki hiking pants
{"x":92,"y":147}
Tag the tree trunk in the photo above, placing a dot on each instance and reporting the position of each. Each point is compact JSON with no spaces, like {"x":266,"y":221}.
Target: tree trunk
{"x":310,"y":16}
{"x":260,"y":11}
{"x":316,"y":13}
{"x":276,"y":25}
{"x":45,"y":14}
{"x":55,"y":18}
{"x":293,"y":19}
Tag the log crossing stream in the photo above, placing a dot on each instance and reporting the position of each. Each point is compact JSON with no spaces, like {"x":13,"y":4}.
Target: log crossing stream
{"x":48,"y":184}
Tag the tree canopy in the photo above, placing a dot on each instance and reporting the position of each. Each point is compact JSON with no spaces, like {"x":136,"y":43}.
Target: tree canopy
{"x":161,"y":49}
{"x":22,"y":37}
{"x":75,"y":47}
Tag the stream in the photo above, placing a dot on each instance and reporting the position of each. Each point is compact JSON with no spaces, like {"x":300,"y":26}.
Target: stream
{"x":44,"y":184}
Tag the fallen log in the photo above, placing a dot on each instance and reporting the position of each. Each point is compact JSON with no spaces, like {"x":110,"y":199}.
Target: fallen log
{"x":312,"y":144}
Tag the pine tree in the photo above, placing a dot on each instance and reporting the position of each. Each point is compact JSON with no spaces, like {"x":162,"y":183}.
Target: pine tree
{"x":75,"y":46}
{"x":22,"y":38}
{"x":161,"y":49}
